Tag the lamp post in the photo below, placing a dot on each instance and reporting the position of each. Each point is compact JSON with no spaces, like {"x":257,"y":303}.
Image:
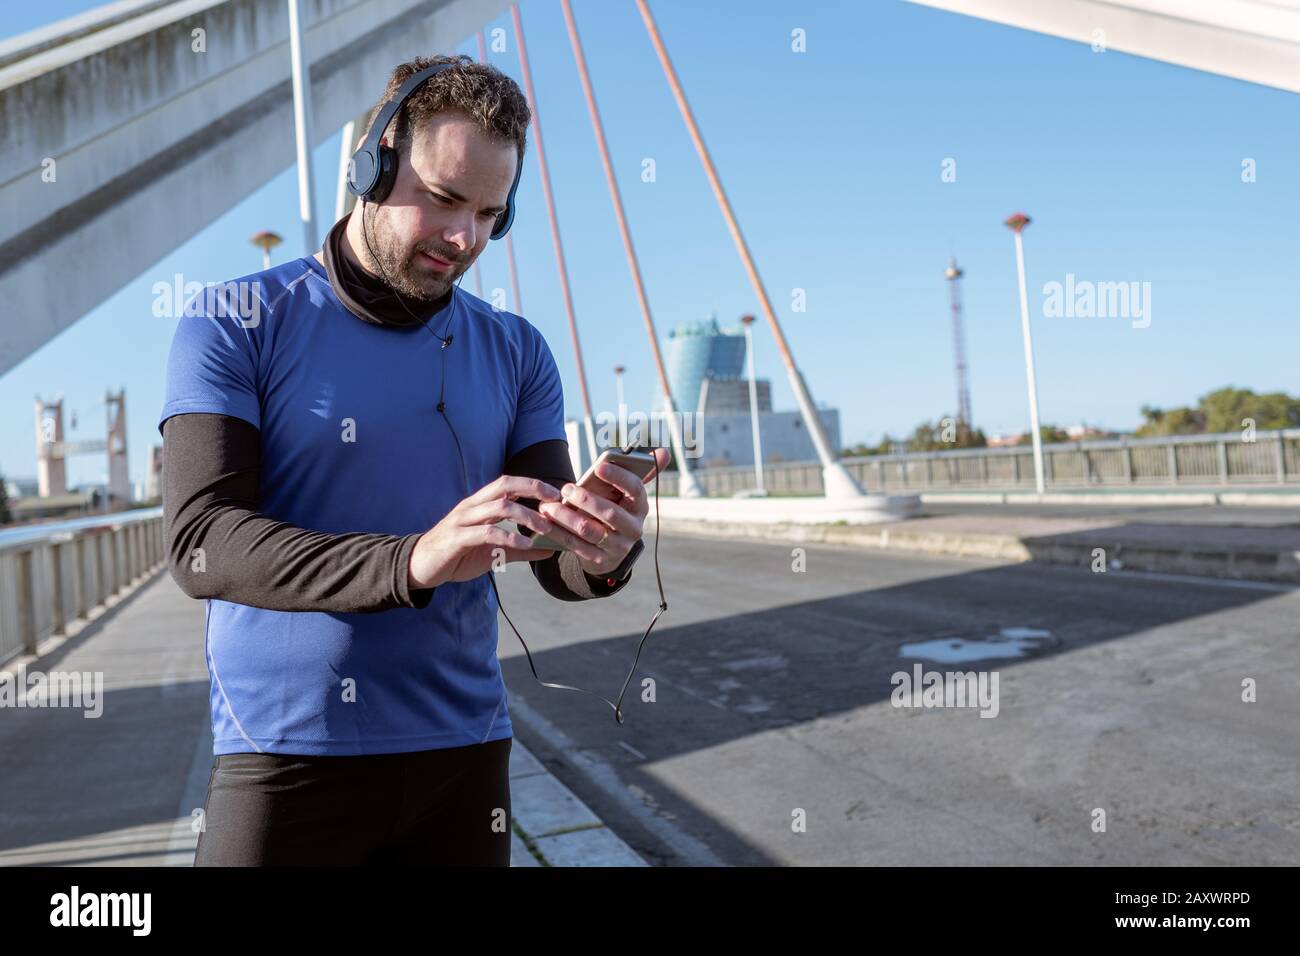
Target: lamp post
{"x":266,"y":241}
{"x":622,"y":417}
{"x":302,"y":127}
{"x":747,"y":321}
{"x":1016,"y":223}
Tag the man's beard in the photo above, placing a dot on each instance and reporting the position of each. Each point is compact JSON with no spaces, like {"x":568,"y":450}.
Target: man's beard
{"x":398,"y":265}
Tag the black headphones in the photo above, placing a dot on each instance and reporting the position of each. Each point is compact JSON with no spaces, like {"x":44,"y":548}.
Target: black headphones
{"x":373,"y":167}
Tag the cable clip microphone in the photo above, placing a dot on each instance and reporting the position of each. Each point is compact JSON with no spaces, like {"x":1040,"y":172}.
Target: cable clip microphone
{"x":447,"y":341}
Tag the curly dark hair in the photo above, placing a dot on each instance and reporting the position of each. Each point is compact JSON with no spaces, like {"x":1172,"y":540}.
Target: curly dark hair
{"x":482,"y":93}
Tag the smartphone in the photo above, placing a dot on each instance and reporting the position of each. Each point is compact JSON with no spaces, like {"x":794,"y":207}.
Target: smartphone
{"x":640,"y":463}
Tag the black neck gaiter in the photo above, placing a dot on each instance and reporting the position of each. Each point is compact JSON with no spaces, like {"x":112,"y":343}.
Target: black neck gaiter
{"x":369,"y":297}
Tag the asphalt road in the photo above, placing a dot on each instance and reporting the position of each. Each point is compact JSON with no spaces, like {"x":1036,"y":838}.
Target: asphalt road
{"x":772,"y":705}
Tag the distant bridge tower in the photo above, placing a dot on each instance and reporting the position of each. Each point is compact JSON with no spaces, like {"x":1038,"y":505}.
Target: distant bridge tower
{"x":953,"y":275}
{"x":119,"y":481}
{"x":52,"y":450}
{"x":51,"y":469}
{"x":153,"y":477}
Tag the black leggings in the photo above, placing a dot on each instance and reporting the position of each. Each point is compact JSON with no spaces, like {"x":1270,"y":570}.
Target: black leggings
{"x":433,"y":807}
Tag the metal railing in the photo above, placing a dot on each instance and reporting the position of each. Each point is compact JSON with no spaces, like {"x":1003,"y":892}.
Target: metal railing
{"x":51,"y":577}
{"x":1228,"y":459}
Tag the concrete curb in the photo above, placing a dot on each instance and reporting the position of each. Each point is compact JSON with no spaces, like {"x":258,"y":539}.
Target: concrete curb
{"x":1007,"y":547}
{"x":552,"y":827}
{"x":1107,"y":498}
{"x":1202,"y":558}
{"x":801,"y":509}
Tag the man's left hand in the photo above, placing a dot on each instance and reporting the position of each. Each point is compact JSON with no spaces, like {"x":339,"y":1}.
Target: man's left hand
{"x":606,"y":521}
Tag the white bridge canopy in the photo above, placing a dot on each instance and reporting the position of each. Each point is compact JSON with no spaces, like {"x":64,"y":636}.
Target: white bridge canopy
{"x":1253,"y":40}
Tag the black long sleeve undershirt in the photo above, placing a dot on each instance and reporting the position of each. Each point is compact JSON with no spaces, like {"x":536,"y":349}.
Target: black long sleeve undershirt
{"x":560,"y":575}
{"x":220,"y":546}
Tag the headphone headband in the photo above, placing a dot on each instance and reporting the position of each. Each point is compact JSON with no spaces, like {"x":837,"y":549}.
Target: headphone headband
{"x":373,"y":167}
{"x":389,"y":110}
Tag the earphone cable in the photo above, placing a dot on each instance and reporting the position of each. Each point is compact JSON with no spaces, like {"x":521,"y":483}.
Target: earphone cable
{"x":663,"y":603}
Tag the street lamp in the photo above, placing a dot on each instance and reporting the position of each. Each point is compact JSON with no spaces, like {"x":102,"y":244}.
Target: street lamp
{"x":622,"y":417}
{"x":747,"y":321}
{"x":1016,"y":223}
{"x":267,"y":241}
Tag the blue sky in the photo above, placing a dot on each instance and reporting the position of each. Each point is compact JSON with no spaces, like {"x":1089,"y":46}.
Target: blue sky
{"x":1131,"y":170}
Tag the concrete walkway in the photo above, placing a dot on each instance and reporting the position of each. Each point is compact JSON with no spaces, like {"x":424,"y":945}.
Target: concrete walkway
{"x":123,"y":788}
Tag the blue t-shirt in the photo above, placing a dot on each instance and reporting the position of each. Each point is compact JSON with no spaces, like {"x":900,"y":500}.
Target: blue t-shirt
{"x":351,"y":440}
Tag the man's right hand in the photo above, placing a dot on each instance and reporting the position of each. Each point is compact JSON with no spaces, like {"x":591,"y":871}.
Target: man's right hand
{"x":464,"y":544}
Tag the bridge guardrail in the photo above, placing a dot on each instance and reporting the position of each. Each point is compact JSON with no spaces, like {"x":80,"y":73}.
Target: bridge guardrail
{"x":48,"y":581}
{"x":1227,"y":459}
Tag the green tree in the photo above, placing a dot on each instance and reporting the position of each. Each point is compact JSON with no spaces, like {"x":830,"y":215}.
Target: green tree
{"x":1223,"y":410}
{"x":1174,"y":421}
{"x":968,"y":437}
{"x":884,"y":447}
{"x":947,"y":434}
{"x":1226,"y":409}
{"x":1047,"y":434}
{"x":5,"y":516}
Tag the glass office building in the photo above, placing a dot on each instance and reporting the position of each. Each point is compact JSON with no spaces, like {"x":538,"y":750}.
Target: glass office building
{"x":700,"y":350}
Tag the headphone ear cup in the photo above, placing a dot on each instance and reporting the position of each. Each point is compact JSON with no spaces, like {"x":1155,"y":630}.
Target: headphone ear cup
{"x":504,"y":219}
{"x":387,"y":175}
{"x":361,"y":173}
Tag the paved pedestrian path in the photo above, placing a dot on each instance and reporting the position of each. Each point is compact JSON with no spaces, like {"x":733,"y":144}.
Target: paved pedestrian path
{"x":122,"y":788}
